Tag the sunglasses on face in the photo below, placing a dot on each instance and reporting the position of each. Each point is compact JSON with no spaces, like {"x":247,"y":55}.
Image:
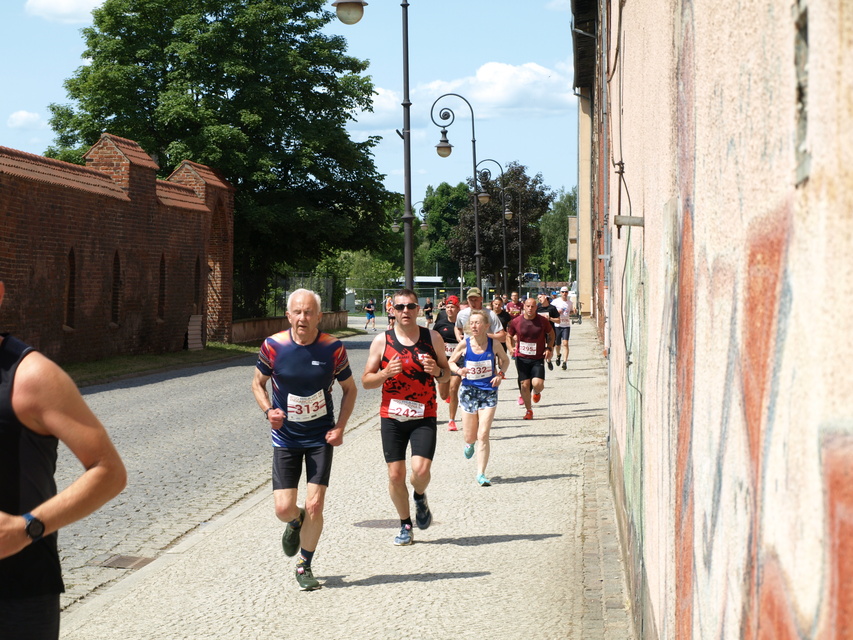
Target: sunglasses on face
{"x":409,"y":306}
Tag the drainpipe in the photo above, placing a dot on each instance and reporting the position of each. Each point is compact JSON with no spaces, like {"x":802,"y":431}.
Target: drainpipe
{"x":602,"y":40}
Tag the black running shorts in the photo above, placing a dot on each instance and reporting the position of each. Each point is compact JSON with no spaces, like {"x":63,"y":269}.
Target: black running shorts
{"x":528,"y":368}
{"x":287,"y":466}
{"x":397,"y":434}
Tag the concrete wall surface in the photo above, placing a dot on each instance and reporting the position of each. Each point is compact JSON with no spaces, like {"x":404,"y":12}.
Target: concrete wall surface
{"x":731,"y":391}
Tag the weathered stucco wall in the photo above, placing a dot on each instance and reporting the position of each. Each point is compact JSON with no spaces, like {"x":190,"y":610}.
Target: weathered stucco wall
{"x":731,"y":401}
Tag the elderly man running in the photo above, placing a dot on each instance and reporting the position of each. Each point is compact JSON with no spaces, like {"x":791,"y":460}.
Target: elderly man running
{"x":303,"y":363}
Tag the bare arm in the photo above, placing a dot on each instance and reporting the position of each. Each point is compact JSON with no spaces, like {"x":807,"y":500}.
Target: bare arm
{"x":48,"y":403}
{"x":259,"y":389}
{"x":374,"y":377}
{"x":335,"y":437}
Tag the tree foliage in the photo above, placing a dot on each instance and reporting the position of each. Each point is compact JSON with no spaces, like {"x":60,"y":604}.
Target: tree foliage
{"x":254,"y":89}
{"x":526,"y":196}
{"x":551,"y":261}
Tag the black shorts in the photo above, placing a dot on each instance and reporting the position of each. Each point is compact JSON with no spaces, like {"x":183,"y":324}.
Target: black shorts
{"x":36,"y":617}
{"x":397,"y":434}
{"x":287,"y":466}
{"x":529,"y":368}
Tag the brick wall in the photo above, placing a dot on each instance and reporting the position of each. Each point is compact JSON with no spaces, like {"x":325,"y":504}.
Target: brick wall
{"x":106,"y":259}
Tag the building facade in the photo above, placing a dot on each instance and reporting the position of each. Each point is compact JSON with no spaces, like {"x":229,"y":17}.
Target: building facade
{"x":106,"y":259}
{"x":718,"y":137}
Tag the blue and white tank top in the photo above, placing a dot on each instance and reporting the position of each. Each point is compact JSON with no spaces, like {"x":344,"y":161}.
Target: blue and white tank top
{"x":481,"y":366}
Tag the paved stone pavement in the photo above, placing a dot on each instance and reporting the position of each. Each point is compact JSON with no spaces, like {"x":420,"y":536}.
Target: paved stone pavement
{"x":536,"y":555}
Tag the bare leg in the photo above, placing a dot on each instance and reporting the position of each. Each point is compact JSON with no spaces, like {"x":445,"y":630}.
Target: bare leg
{"x":397,"y":488}
{"x":312,"y":527}
{"x":421,"y":473}
{"x":486,"y":416}
{"x":525,"y":393}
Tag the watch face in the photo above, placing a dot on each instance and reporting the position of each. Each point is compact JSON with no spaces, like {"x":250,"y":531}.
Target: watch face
{"x":35,"y":528}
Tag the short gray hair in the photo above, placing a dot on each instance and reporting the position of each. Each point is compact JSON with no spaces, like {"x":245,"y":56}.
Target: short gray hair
{"x":300,"y":292}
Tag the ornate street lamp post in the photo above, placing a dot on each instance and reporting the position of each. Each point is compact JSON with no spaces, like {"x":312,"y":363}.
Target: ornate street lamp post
{"x":350,"y":12}
{"x":443,"y":148}
{"x":485,"y":176}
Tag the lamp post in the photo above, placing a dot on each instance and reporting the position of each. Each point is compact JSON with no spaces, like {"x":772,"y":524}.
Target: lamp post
{"x":506,"y":214}
{"x":444,"y":148}
{"x":350,"y":12}
{"x":396,"y":226}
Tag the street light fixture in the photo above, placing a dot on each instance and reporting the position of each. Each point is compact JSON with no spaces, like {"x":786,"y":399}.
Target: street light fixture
{"x":444,"y":148}
{"x":396,"y":226}
{"x":485,"y":176}
{"x":350,"y":12}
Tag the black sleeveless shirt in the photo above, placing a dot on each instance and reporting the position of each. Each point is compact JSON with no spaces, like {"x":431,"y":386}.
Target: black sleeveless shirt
{"x":27,"y":465}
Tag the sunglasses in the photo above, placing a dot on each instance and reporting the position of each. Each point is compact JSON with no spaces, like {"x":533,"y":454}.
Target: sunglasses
{"x":409,"y":306}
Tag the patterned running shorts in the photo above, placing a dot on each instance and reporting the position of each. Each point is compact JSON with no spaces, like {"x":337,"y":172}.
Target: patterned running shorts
{"x":472,"y":399}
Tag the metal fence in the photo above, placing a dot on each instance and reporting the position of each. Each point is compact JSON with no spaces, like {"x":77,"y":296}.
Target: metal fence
{"x":286,"y":285}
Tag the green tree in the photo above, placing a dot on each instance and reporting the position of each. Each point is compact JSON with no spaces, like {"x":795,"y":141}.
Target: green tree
{"x":254,"y":89}
{"x":370,"y":272}
{"x":527,"y":197}
{"x":551,"y":260}
{"x":442,"y":205}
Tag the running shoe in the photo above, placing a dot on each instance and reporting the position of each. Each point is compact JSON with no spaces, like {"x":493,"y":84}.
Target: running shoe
{"x":537,"y":397}
{"x":564,"y":366}
{"x":550,"y":365}
{"x":451,"y":426}
{"x":483,"y":481}
{"x":528,"y":415}
{"x":558,"y":361}
{"x":406,"y":537}
{"x":423,"y":516}
{"x":447,"y":399}
{"x":290,"y":537}
{"x":469,"y":450}
{"x":305,"y":577}
{"x":520,"y":401}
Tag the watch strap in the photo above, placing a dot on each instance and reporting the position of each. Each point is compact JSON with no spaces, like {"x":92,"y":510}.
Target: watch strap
{"x":34,"y":523}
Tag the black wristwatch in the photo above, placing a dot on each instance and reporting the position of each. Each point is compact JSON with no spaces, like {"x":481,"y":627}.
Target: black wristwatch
{"x":34,"y":528}
{"x":267,"y":413}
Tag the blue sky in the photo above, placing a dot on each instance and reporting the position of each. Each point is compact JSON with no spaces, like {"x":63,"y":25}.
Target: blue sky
{"x":512,"y":60}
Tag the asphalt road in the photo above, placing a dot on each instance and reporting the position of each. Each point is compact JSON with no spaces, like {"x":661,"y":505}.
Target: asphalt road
{"x":195,"y":444}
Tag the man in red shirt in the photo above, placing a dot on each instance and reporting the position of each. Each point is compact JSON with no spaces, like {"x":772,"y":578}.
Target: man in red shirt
{"x":406,"y":361}
{"x":514,"y":307}
{"x":531,"y":338}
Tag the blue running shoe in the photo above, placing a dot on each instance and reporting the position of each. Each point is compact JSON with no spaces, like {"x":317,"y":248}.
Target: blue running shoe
{"x":483,"y":481}
{"x":423,"y":516}
{"x":405,"y":537}
{"x":469,"y":450}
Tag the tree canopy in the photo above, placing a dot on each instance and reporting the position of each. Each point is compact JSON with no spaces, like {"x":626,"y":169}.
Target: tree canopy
{"x":252,"y":88}
{"x":551,"y":261}
{"x":451,"y":222}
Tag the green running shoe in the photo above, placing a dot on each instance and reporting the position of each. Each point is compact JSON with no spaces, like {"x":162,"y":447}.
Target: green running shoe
{"x":469,"y":450}
{"x":290,"y":537}
{"x":305,"y":577}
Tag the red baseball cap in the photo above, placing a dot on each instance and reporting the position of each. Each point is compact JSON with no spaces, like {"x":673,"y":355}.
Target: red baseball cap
{"x":452,"y":300}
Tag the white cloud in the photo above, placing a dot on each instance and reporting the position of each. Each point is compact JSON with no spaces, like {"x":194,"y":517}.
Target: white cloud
{"x":25,"y":120}
{"x":73,"y":11}
{"x":498,"y":89}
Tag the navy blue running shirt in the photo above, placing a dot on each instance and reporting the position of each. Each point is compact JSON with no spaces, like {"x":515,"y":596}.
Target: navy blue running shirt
{"x":302,"y":379}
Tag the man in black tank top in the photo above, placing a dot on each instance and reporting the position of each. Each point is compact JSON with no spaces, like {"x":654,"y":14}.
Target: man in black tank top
{"x":445,"y":325}
{"x":39,"y":406}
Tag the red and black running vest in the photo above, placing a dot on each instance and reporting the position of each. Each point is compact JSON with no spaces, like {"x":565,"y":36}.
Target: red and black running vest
{"x":413,"y":385}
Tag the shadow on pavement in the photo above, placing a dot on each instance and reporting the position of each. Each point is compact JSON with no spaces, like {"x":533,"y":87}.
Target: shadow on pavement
{"x":476,"y":541}
{"x":340,"y":581}
{"x":518,"y":479}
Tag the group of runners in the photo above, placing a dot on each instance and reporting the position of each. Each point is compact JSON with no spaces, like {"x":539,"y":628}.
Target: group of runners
{"x":463,"y":360}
